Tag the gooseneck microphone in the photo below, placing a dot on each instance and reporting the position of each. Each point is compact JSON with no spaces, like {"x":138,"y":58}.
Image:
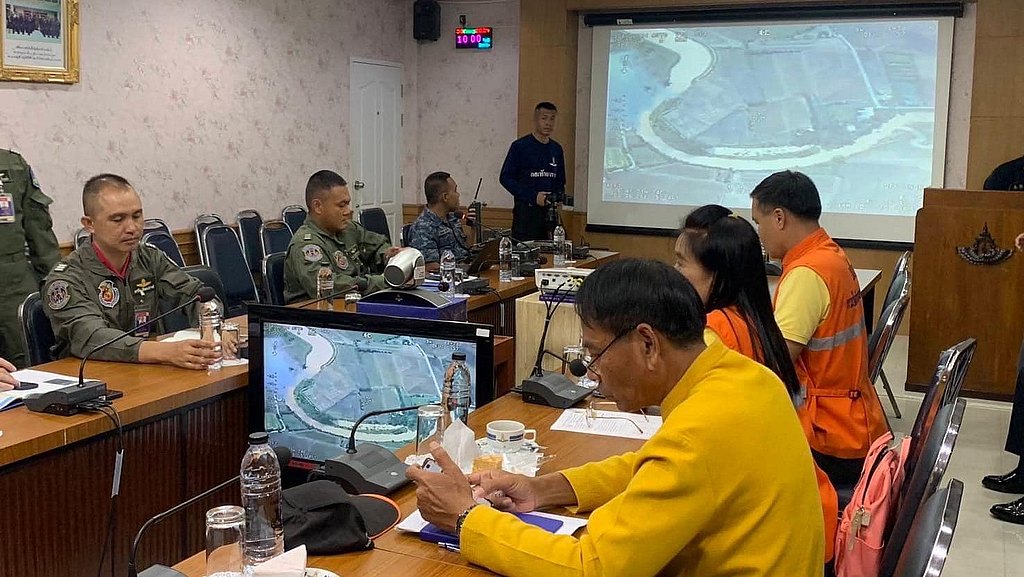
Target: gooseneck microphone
{"x":576,"y":367}
{"x":551,"y":387}
{"x":368,"y":468}
{"x":67,"y":401}
{"x":284,"y":454}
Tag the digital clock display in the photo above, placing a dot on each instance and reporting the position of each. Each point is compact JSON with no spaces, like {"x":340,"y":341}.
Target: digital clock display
{"x":479,"y":38}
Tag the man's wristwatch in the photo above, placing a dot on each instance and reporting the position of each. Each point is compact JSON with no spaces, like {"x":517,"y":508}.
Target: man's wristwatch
{"x":462,"y":519}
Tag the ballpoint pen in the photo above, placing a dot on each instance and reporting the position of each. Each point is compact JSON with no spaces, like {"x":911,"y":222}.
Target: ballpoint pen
{"x":449,"y":547}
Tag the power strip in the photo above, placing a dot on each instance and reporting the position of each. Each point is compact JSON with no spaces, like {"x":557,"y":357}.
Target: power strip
{"x":560,"y":279}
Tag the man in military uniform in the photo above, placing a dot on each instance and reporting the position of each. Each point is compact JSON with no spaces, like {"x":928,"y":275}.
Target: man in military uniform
{"x":24,"y":221}
{"x":438,"y":228}
{"x":114,"y":284}
{"x":330,"y":236}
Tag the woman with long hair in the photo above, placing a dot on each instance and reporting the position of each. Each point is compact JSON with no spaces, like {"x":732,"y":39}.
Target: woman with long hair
{"x":720,"y":254}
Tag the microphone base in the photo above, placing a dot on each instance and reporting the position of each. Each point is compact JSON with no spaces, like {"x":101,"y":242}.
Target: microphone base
{"x":161,"y":571}
{"x":371,"y":469}
{"x":65,"y":401}
{"x":552,"y":389}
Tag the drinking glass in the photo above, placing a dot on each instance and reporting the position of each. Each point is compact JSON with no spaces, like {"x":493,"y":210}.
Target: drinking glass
{"x":427,"y":419}
{"x":224,"y":527}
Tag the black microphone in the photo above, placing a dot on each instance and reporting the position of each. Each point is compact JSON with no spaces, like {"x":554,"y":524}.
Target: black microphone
{"x":576,"y":367}
{"x":284,"y":454}
{"x":551,"y":388}
{"x":66,"y":400}
{"x":360,"y":285}
{"x":371,"y":468}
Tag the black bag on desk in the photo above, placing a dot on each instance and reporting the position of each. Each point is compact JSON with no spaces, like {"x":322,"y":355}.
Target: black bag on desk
{"x":328,"y":521}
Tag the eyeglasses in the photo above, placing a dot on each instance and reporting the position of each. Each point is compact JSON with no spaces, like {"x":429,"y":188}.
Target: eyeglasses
{"x":591,"y":414}
{"x":591,"y":365}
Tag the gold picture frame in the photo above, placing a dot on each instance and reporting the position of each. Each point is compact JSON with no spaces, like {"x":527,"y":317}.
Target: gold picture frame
{"x":39,"y":41}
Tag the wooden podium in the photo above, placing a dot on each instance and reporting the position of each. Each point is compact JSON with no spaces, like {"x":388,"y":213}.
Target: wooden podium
{"x":954,"y":299}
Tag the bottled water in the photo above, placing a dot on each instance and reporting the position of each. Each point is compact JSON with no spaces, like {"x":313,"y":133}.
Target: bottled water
{"x":209,"y":328}
{"x":457,"y":381}
{"x":448,"y":273}
{"x":325,"y":285}
{"x":559,"y":243}
{"x":261,"y":499}
{"x":505,"y":259}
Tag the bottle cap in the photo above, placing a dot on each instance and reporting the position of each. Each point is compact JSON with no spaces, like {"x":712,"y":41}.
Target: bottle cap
{"x":458,"y":356}
{"x":260,"y":438}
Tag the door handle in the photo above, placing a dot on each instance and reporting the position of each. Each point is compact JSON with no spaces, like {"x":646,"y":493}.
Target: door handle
{"x":358,"y":185}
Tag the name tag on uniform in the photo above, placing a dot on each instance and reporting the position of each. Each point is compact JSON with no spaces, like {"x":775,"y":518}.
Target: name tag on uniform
{"x":141,"y":317}
{"x":6,"y":207}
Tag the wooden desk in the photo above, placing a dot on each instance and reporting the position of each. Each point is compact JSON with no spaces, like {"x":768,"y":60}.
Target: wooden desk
{"x":374,"y":563}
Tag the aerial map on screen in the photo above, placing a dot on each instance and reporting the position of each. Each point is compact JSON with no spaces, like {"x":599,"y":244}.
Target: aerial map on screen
{"x":697,"y":115}
{"x":318,"y":382}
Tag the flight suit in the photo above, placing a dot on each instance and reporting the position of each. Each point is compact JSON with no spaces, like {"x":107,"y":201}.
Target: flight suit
{"x":355,"y":254}
{"x":28,"y":247}
{"x":88,"y":304}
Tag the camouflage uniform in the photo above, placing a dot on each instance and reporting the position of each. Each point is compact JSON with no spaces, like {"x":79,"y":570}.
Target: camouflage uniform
{"x":432,"y":236}
{"x":24,"y":222}
{"x":89,"y":305}
{"x":354,"y":254}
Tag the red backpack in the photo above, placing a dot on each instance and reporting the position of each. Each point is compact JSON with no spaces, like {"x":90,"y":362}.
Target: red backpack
{"x":868,"y":517}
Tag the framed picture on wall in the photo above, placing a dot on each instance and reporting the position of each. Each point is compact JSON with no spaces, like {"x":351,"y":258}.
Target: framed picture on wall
{"x":39,"y":41}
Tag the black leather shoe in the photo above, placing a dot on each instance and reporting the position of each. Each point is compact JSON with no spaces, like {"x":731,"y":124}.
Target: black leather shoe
{"x":1012,"y":482}
{"x":1012,"y":512}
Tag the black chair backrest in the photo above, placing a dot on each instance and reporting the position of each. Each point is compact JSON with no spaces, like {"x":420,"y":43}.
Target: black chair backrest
{"x":249,"y":223}
{"x":374,"y":219}
{"x":961,"y":362}
{"x":931,"y":534}
{"x":208,"y":277}
{"x":937,"y":447}
{"x":407,"y":234}
{"x":293,"y":215}
{"x":274,"y":237}
{"x":82,"y":238}
{"x":155,"y":224}
{"x":884,"y":334}
{"x":165,"y":243}
{"x":36,"y":331}
{"x":900,"y":283}
{"x":224,"y":255}
{"x":202,"y":221}
{"x":273,"y":278}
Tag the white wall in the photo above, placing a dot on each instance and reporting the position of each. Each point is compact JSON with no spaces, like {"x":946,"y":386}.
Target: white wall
{"x":468,"y":101}
{"x":207,"y":106}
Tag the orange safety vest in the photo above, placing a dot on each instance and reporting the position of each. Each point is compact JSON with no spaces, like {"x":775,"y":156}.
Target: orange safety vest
{"x":841,"y":414}
{"x":732,"y":329}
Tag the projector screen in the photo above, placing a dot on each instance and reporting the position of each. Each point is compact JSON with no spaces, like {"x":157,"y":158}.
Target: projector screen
{"x":687,"y":115}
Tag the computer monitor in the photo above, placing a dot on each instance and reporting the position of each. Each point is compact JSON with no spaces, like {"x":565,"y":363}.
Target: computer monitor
{"x":314,"y":373}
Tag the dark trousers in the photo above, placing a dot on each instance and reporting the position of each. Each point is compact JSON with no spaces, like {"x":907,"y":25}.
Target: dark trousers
{"x":1015,"y":434}
{"x":529,"y":222}
{"x":841,"y":472}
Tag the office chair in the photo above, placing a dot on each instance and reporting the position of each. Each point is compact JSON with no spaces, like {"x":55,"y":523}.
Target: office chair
{"x":165,"y":243}
{"x":375,"y":220}
{"x":293,"y":215}
{"x":898,"y":286}
{"x":223,"y":253}
{"x":931,"y":534}
{"x":199,"y":225}
{"x":36,"y":331}
{"x":273,"y":278}
{"x":82,"y":238}
{"x":156,"y":224}
{"x":275,"y":236}
{"x":880,"y":342}
{"x":249,"y":223}
{"x":407,"y":234}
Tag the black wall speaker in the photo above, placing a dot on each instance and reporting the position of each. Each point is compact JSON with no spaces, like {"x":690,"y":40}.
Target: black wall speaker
{"x":426,"y":20}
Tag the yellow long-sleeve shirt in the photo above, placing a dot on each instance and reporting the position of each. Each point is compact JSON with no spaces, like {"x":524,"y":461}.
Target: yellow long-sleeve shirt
{"x":726,"y":487}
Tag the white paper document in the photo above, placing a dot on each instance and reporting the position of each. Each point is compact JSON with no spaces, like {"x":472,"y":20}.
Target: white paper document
{"x":608,"y":424}
{"x":44,"y":381}
{"x":414,"y":523}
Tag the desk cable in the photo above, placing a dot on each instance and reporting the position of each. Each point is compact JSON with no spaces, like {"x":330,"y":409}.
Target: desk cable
{"x":111,"y":413}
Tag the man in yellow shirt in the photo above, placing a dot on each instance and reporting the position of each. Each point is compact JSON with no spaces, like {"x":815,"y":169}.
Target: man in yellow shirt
{"x":819,"y":310}
{"x":726,"y":487}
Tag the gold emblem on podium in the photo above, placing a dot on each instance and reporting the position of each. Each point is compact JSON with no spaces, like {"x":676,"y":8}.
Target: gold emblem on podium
{"x":984,"y":251}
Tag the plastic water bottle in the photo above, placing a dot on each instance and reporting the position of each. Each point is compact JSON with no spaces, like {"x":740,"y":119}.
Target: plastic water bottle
{"x":209,"y":328}
{"x":448,"y":273}
{"x":505,"y":259}
{"x":261,"y":499}
{"x":559,"y":243}
{"x":325,"y":284}
{"x":459,"y":385}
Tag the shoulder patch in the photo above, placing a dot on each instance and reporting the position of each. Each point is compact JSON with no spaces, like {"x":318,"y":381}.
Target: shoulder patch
{"x":312,"y":253}
{"x":58,"y":295}
{"x":108,"y":293}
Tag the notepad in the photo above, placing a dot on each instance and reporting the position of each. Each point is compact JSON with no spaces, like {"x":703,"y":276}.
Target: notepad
{"x":434,"y":534}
